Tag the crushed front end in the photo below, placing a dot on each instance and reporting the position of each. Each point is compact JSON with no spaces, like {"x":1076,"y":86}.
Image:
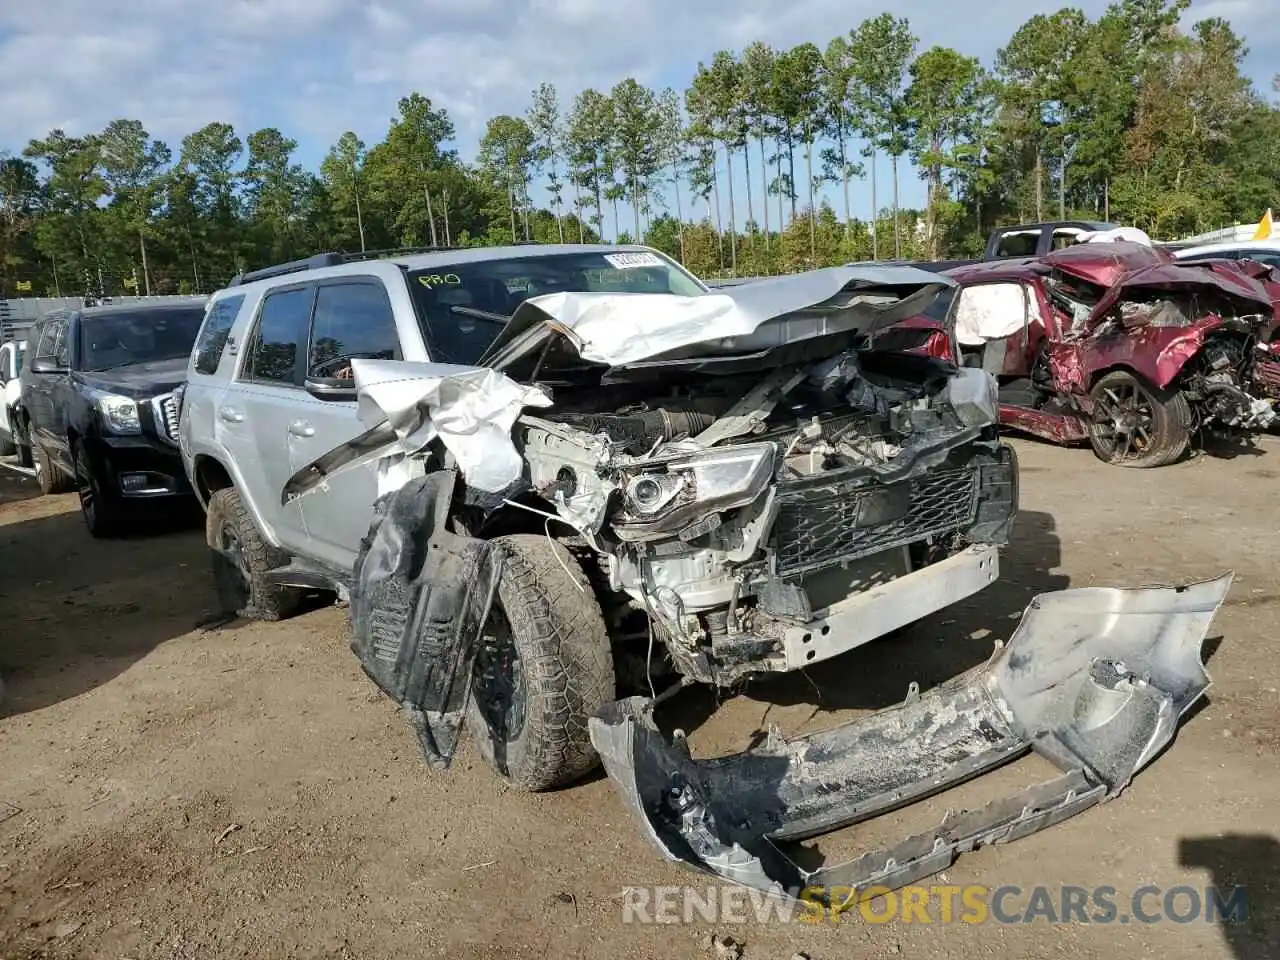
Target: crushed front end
{"x":767,"y":523}
{"x":1199,"y":329}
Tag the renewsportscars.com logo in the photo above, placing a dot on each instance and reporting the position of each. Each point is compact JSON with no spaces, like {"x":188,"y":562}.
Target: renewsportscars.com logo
{"x":938,"y":904}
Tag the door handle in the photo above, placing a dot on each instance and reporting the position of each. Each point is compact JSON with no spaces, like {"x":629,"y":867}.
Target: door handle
{"x":300,"y":428}
{"x":231,"y":414}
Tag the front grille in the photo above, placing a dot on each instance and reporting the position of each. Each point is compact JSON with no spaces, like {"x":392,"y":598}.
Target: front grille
{"x":817,"y":526}
{"x":167,"y":417}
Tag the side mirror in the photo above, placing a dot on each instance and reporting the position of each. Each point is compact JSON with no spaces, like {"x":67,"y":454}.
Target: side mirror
{"x":46,"y":365}
{"x":326,"y":388}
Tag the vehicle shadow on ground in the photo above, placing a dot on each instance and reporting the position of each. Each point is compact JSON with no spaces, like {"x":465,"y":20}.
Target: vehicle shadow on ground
{"x":1251,"y":861}
{"x":1226,"y":448}
{"x":928,"y":652}
{"x":76,"y":611}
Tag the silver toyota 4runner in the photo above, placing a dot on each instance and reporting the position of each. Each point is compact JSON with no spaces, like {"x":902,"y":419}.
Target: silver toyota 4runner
{"x":543,"y":476}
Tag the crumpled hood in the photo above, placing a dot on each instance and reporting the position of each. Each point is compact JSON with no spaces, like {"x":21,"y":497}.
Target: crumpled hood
{"x":1104,"y":264}
{"x":1124,"y":268}
{"x":616,"y":329}
{"x":472,"y":409}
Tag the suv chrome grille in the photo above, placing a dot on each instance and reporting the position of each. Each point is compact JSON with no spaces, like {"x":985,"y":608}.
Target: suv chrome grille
{"x":166,"y":410}
{"x":817,"y":525}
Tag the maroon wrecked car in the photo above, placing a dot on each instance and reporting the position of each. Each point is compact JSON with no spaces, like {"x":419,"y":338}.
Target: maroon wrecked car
{"x":1120,"y":345}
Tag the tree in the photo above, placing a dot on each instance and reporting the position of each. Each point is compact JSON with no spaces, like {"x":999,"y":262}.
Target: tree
{"x":548,"y":138}
{"x":274,"y":188}
{"x":1035,"y":68}
{"x":588,"y":137}
{"x":671,"y":148}
{"x":798,"y":88}
{"x":786,"y":109}
{"x":68,"y":231}
{"x":838,"y":114}
{"x":410,"y":171}
{"x":730,"y":120}
{"x":19,"y":195}
{"x":132,"y":163}
{"x":1131,"y":117}
{"x":703,"y":182}
{"x":944,"y":108}
{"x":637,"y":146}
{"x":1181,"y":165}
{"x":711,"y":102}
{"x":880,"y":49}
{"x":757,"y":93}
{"x":342,"y":170}
{"x":506,"y":157}
{"x":180,"y":196}
{"x":212,"y":155}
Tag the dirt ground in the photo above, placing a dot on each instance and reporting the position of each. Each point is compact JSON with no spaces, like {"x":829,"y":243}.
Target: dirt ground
{"x":169,"y":791}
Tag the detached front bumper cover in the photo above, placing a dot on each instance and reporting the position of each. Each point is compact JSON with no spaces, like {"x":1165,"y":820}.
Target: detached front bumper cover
{"x":1094,"y":680}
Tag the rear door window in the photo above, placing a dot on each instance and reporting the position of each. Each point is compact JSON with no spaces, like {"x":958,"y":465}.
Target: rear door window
{"x":45,"y":348}
{"x":280,"y":336}
{"x":1065,"y":237}
{"x":353,"y":319}
{"x":1018,"y":243}
{"x":61,"y":351}
{"x":214,"y":333}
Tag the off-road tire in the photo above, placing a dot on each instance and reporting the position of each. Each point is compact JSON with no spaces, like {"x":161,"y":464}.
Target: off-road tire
{"x":51,"y":479}
{"x":1172,"y":422}
{"x":103,"y":512}
{"x":564,"y":653}
{"x":8,"y":446}
{"x":266,"y":600}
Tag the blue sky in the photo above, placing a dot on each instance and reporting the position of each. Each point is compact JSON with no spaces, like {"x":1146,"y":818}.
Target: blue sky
{"x":315,"y":68}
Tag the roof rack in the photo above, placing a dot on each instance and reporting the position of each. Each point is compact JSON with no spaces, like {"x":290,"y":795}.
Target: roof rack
{"x":331,"y":259}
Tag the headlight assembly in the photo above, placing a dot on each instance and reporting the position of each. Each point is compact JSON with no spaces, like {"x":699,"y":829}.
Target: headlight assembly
{"x":663,"y":498}
{"x":120,"y":414}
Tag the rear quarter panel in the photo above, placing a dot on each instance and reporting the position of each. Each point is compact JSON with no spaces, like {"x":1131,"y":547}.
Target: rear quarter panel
{"x":201,"y":431}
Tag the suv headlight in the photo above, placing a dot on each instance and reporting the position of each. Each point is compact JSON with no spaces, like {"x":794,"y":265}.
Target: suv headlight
{"x":120,"y":414}
{"x":660,"y":499}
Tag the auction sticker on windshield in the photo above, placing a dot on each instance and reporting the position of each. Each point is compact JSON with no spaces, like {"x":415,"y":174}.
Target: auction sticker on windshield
{"x":627,"y":261}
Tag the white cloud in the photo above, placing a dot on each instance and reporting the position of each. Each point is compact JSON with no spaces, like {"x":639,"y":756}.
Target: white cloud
{"x":318,"y":67}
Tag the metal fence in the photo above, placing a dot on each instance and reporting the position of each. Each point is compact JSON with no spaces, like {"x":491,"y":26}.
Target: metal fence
{"x":18,"y":314}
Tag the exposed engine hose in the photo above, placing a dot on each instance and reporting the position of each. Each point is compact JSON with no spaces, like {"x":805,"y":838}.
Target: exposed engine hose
{"x":670,"y":424}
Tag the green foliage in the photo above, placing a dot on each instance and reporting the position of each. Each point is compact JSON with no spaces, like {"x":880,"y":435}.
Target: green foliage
{"x":1129,"y":117}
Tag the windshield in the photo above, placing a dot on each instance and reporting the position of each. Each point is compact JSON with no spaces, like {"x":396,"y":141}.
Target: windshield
{"x":124,"y":337}
{"x":463,"y":307}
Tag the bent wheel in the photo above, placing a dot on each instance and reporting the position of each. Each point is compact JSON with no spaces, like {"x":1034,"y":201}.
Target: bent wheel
{"x":1136,"y":424}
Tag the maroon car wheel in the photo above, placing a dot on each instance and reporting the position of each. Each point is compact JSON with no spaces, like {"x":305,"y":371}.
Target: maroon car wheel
{"x":1136,"y":424}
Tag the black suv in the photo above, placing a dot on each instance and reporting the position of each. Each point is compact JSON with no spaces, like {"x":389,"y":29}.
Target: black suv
{"x":101,"y":412}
